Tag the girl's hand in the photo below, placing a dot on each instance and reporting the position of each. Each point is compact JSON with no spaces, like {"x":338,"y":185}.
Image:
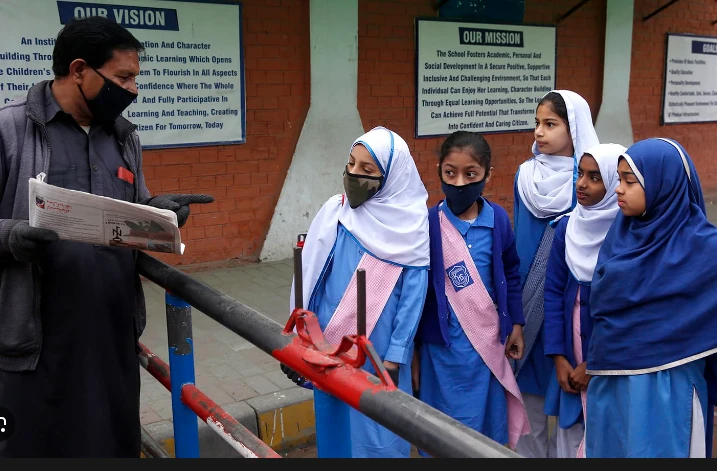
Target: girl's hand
{"x":415,"y":372}
{"x":392,"y":369}
{"x":579,"y":378}
{"x":514,"y":345}
{"x":563,"y":370}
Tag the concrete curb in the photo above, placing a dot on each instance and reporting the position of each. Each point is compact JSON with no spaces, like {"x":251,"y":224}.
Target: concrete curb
{"x":284,"y":420}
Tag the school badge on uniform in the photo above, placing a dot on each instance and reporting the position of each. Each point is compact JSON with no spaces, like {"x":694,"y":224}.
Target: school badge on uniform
{"x":459,"y":276}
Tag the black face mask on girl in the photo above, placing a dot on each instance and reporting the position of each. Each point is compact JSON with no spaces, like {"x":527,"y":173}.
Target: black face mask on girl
{"x":460,"y":198}
{"x":360,"y":188}
{"x":110,"y":102}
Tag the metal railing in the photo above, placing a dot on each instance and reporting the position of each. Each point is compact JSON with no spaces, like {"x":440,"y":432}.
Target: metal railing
{"x":149,"y":446}
{"x":190,"y":402}
{"x":300,"y":345}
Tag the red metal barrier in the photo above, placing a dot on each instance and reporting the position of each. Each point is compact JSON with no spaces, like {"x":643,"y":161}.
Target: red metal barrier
{"x":234,"y":433}
{"x":309,"y":349}
{"x":155,"y":366}
{"x":334,"y":370}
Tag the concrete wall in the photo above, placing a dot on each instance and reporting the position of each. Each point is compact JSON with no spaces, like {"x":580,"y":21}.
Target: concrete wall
{"x":331,"y":126}
{"x":613,"y":123}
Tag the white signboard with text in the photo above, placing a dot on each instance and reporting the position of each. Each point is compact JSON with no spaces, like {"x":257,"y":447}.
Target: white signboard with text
{"x":481,"y":77}
{"x":191,"y":82}
{"x":690,"y":91}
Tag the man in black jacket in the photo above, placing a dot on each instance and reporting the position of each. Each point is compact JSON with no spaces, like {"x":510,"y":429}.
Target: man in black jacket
{"x":71,"y":313}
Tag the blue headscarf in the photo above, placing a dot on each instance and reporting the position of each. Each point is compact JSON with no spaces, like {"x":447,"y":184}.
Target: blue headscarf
{"x":652,"y":298}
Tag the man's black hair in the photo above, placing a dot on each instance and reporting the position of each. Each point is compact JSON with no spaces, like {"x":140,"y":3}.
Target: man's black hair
{"x":93,"y":39}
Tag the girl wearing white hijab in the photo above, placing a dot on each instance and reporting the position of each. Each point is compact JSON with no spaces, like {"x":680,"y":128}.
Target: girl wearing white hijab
{"x":544,"y":189}
{"x":379,"y":224}
{"x":568,"y":325}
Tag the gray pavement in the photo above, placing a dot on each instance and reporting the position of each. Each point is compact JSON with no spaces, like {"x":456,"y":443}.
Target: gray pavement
{"x":711,"y":204}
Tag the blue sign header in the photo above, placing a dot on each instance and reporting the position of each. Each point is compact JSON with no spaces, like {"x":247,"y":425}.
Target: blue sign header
{"x":127,"y":16}
{"x":702,"y":47}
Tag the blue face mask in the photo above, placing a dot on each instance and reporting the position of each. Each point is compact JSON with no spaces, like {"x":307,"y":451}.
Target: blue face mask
{"x":460,"y":198}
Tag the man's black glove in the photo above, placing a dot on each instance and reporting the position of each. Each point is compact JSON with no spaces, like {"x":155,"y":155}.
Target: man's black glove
{"x":179,"y":204}
{"x":293,"y":375}
{"x":25,"y":242}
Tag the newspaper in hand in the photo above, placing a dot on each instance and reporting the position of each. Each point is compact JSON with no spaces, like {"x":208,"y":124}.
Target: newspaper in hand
{"x":84,"y":217}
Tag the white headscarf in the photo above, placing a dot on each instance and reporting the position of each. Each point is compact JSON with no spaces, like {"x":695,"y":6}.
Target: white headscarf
{"x":545,"y":182}
{"x":588,"y":226}
{"x":392,"y":225}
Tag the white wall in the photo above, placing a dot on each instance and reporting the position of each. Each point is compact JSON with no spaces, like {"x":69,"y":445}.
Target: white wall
{"x":613,"y":123}
{"x":331,"y":126}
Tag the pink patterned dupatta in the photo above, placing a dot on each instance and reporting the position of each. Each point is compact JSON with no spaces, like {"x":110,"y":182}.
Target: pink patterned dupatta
{"x":478,"y":317}
{"x":381,"y":278}
{"x":578,"y":352}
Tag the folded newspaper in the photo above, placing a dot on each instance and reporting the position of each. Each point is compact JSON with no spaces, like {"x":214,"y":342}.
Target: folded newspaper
{"x":84,"y":217}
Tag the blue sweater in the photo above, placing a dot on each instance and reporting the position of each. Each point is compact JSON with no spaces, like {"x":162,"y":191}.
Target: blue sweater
{"x":433,"y":327}
{"x":560,"y":290}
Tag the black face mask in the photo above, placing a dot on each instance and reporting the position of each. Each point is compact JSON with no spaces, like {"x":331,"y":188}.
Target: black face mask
{"x":360,"y":188}
{"x":110,"y":102}
{"x":460,"y":198}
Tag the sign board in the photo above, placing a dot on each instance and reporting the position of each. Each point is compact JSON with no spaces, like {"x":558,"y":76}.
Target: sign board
{"x":191,"y":82}
{"x":690,"y":91}
{"x":481,"y":77}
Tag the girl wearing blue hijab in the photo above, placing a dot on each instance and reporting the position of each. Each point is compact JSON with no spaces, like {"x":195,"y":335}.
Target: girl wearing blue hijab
{"x":654,"y":336}
{"x":574,"y":253}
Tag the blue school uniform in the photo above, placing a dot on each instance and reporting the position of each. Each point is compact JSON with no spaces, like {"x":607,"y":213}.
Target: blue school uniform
{"x":561,"y":289}
{"x":453,"y":377}
{"x":392,"y":336}
{"x":534,"y":377}
{"x":655,"y":330}
{"x":644,"y":416}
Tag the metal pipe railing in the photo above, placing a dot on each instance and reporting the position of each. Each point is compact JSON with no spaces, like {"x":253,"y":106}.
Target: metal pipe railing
{"x":227,"y":427}
{"x":150,"y":447}
{"x":181,"y":364}
{"x":335,"y":373}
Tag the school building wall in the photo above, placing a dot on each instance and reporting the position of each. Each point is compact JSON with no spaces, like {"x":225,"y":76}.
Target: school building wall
{"x":387,"y":80}
{"x":244,"y":179}
{"x":646,"y":80}
{"x":286,"y":49}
